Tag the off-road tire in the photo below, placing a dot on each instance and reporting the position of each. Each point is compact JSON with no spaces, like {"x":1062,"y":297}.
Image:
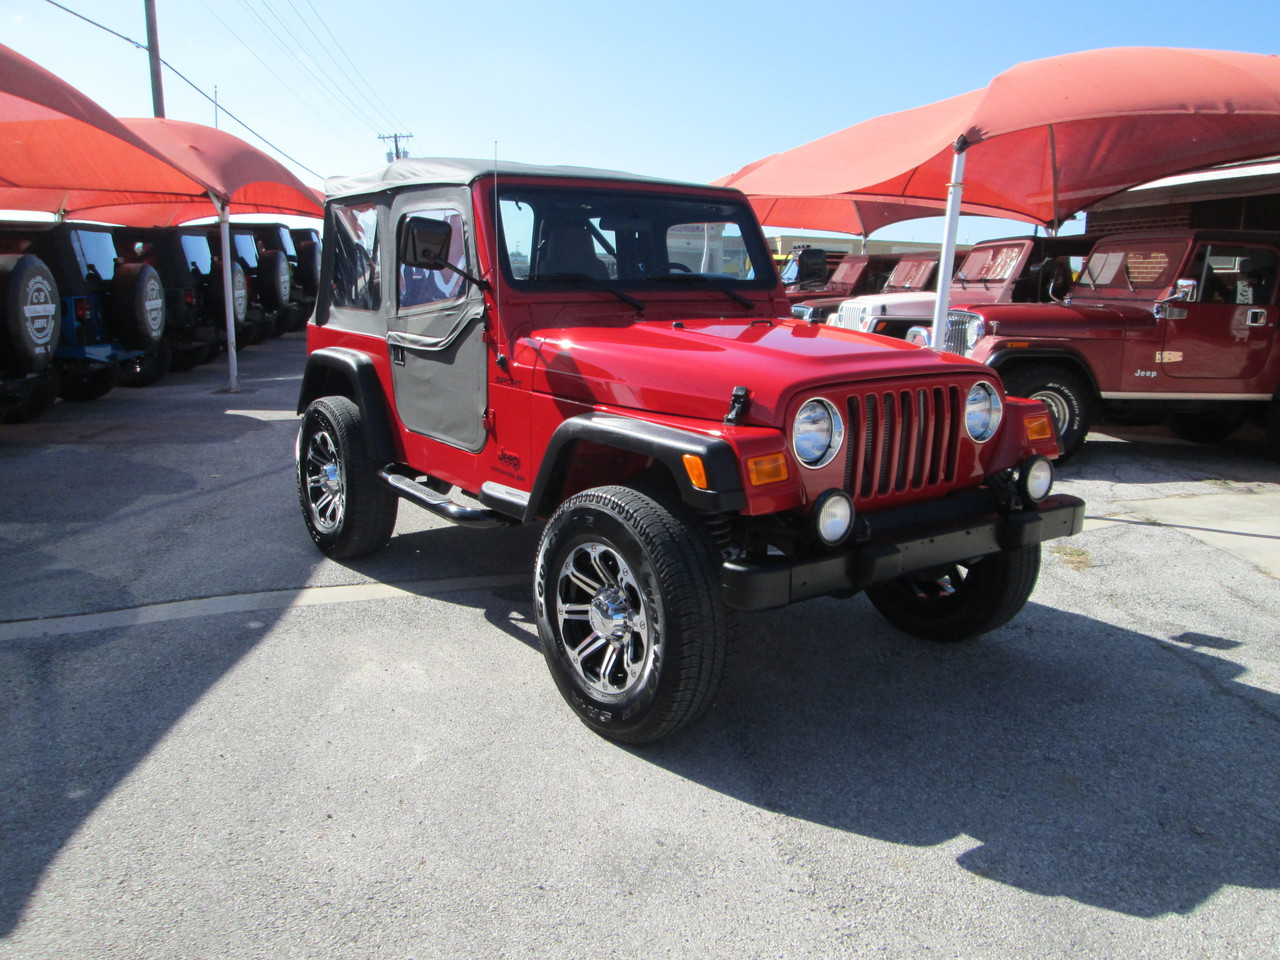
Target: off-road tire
{"x":309,"y":267}
{"x":1067,"y":397}
{"x":987,"y":594}
{"x":638,"y":562}
{"x":347,"y":509}
{"x":188,"y":358}
{"x":31,"y":399}
{"x":1204,"y":427}
{"x":275,"y":279}
{"x":147,"y":368}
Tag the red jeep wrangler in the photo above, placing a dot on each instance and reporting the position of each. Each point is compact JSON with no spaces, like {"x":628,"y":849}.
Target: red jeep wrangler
{"x":1177,"y":324}
{"x":602,"y":351}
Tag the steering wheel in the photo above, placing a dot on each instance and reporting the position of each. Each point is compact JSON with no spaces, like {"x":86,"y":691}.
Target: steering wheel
{"x":674,"y":267}
{"x":1059,"y":282}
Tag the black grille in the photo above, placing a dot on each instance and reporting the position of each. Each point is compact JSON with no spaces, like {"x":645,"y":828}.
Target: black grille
{"x":902,"y":440}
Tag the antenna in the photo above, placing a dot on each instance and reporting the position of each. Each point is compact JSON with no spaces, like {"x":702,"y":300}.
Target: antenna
{"x":497,"y":220}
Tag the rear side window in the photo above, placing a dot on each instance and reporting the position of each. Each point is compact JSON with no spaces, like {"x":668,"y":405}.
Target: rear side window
{"x":418,"y":285}
{"x":356,"y":282}
{"x":95,"y":254}
{"x":195,"y":250}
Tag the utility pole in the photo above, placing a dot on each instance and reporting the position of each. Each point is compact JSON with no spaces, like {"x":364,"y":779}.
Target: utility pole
{"x":396,"y":153}
{"x":153,"y":53}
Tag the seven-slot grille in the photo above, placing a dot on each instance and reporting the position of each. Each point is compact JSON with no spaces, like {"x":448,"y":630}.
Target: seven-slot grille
{"x":902,"y":439}
{"x":955,"y":336}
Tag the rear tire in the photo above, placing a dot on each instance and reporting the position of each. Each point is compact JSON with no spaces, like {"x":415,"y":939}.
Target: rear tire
{"x":960,"y":601}
{"x":1204,"y":427}
{"x":348,"y":511}
{"x":631,"y":624}
{"x":146,"y":369}
{"x":85,"y":384}
{"x":33,"y":398}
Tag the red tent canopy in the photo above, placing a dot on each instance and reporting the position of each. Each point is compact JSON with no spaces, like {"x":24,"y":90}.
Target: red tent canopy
{"x":1048,"y":137}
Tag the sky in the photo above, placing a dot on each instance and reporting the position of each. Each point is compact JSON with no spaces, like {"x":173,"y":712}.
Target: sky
{"x":686,"y":89}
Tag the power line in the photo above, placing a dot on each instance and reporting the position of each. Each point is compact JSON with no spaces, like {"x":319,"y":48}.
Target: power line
{"x":190,"y":83}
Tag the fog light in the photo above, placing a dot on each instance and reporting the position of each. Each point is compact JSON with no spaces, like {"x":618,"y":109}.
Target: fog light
{"x":1035,"y":479}
{"x":833,"y":517}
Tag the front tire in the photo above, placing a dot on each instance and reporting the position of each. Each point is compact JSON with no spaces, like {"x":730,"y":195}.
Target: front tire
{"x":1067,"y":398}
{"x":631,"y":625}
{"x":960,"y":601}
{"x":348,"y":512}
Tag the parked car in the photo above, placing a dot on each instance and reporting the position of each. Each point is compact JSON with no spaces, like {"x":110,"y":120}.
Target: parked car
{"x":1178,"y":324}
{"x":111,"y":311}
{"x":268,"y":282}
{"x":182,"y":257}
{"x":856,"y":274}
{"x":690,"y":452}
{"x":913,"y":279}
{"x":30,"y":323}
{"x":1012,"y":270}
{"x":304,"y":270}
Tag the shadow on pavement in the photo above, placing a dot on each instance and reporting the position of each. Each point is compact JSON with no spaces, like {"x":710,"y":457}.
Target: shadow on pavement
{"x":1068,"y":757}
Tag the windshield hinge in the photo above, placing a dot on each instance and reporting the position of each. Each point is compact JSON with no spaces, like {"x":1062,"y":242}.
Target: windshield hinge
{"x":738,"y":405}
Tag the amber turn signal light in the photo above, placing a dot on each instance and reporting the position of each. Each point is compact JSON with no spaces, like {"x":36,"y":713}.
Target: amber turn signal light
{"x":697,"y":472}
{"x":1038,"y":428}
{"x":767,"y":469}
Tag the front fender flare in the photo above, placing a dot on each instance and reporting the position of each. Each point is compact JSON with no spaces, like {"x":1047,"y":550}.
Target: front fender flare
{"x":337,"y":371}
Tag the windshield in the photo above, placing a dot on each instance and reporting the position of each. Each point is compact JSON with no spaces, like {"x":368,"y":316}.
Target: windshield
{"x":911,"y":275}
{"x":1143,"y":267}
{"x":989,"y":264}
{"x":95,"y":254}
{"x":628,"y":238}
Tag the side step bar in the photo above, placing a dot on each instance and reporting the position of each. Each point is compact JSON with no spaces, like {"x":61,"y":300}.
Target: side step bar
{"x":441,"y":505}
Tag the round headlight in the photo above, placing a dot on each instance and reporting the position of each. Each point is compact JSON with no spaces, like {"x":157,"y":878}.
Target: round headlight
{"x":982,"y":411}
{"x":833,"y":517}
{"x":817,"y":433}
{"x":1035,"y":479}
{"x":974,"y":331}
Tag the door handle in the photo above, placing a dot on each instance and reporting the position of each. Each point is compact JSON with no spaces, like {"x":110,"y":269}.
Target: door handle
{"x":1256,"y":318}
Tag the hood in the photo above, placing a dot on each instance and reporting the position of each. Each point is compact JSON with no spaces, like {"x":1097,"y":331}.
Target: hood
{"x":690,"y":368}
{"x":909,"y":303}
{"x":1070,"y":321}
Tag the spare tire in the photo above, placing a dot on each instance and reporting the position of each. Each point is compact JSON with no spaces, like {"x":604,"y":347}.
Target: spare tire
{"x":32,"y":313}
{"x":309,"y":267}
{"x":137,"y":305}
{"x":239,"y":296}
{"x":275,"y":279}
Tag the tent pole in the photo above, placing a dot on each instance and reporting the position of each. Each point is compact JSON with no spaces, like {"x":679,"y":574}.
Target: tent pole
{"x":224,"y":229}
{"x":947,"y":256}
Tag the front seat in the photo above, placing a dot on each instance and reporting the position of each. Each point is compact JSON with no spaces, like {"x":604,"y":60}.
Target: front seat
{"x":569,"y":249}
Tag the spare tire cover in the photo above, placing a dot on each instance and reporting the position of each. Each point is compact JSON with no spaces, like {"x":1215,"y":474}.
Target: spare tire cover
{"x":275,"y":279}
{"x":239,"y":293}
{"x":137,"y":305}
{"x":32,"y":318}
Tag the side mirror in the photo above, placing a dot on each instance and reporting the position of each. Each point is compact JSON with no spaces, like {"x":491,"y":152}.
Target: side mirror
{"x":1183,"y":290}
{"x":425,"y":243}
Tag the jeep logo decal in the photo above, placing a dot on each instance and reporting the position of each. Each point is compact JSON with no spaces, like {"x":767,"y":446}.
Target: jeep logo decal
{"x":39,"y":311}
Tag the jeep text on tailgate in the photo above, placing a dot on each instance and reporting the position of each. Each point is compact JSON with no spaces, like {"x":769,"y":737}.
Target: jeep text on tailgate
{"x":600,"y":350}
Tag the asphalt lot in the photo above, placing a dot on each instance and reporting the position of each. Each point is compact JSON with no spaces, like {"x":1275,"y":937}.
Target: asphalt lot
{"x":217,"y":743}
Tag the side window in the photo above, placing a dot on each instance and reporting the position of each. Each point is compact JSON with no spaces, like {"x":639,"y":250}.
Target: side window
{"x":1239,"y":274}
{"x":418,"y":285}
{"x":356,"y":283}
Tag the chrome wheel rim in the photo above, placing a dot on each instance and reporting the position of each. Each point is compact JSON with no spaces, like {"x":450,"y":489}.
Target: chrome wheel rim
{"x":322,"y":474}
{"x":604,"y":623}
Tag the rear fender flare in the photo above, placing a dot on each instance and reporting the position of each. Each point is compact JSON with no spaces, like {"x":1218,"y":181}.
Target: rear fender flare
{"x":337,"y":371}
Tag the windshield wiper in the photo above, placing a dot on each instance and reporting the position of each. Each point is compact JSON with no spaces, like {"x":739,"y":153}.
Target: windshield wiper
{"x":703,"y":279}
{"x":578,"y":279}
{"x":1089,"y":277}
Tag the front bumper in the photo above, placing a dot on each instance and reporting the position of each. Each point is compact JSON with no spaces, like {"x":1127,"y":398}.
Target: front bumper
{"x":893,"y":545}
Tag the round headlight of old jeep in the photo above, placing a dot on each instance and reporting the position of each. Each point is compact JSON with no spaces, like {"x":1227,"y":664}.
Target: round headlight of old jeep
{"x":817,"y":433}
{"x":833,"y":517}
{"x":974,"y":331}
{"x":982,"y":411}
